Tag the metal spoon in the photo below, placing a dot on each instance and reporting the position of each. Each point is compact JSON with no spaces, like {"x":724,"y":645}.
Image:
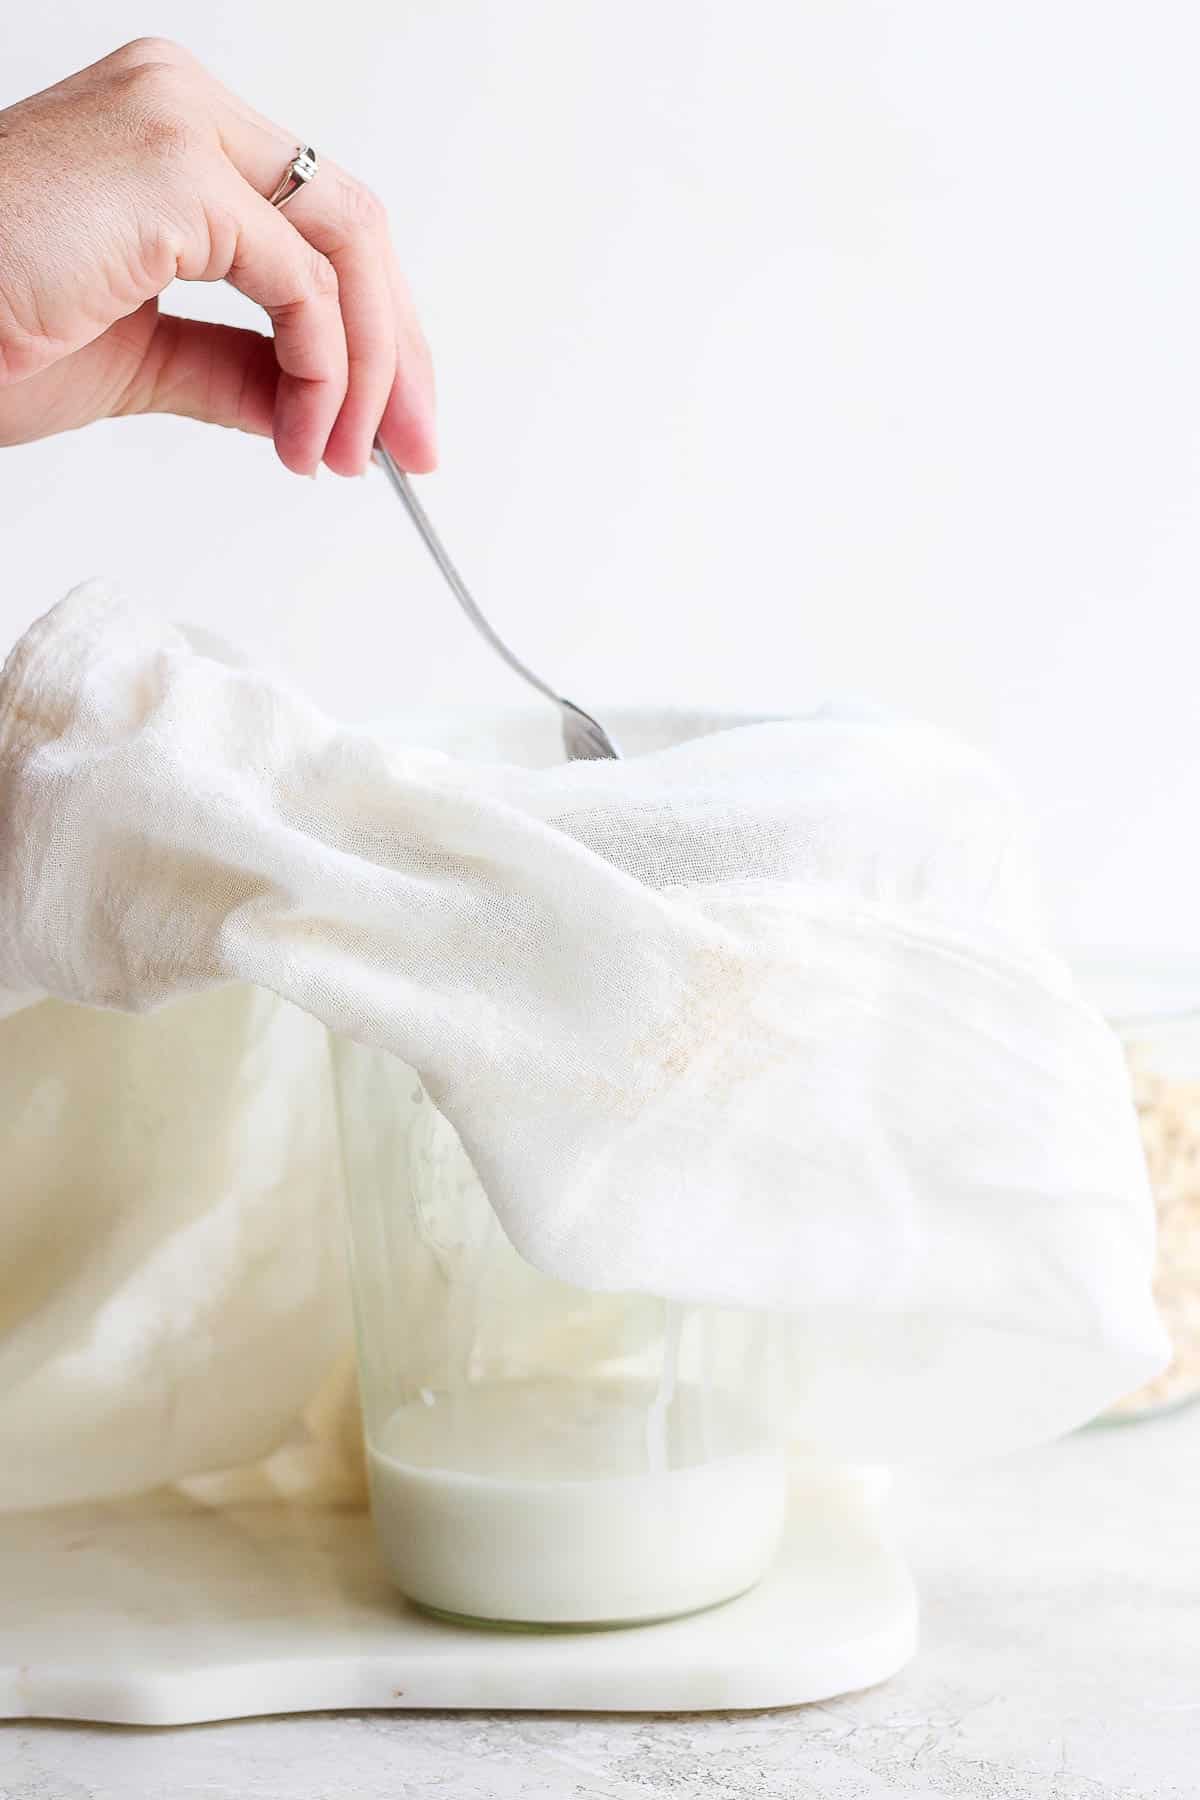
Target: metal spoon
{"x":583,"y":738}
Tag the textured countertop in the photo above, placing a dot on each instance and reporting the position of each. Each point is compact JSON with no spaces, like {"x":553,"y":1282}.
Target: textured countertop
{"x":1061,"y":1661}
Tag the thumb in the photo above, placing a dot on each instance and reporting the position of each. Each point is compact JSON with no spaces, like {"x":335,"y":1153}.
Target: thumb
{"x":218,"y":373}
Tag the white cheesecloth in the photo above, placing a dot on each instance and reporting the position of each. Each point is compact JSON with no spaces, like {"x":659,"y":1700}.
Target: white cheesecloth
{"x":763,"y":1014}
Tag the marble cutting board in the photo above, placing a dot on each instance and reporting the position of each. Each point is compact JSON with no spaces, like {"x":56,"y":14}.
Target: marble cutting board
{"x":162,"y":1611}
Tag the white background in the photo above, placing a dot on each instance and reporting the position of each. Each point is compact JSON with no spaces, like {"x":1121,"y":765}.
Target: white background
{"x":786,"y":347}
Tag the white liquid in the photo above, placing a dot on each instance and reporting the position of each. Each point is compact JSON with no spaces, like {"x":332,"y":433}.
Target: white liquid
{"x":539,"y":1502}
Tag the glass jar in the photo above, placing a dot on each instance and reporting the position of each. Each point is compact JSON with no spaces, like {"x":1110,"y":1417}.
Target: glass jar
{"x":539,"y":1454}
{"x":1154,"y":1005}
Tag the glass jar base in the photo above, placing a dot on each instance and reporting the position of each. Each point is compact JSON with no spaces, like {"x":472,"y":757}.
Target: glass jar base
{"x":1143,"y":1414}
{"x":560,"y":1627}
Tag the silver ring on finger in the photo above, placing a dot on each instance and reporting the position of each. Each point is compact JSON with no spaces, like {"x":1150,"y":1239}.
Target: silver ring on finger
{"x":298,"y":174}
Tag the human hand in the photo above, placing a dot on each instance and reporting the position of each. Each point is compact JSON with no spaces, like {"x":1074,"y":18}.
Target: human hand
{"x":142,"y":169}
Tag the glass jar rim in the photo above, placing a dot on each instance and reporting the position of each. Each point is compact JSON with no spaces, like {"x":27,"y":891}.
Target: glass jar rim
{"x":1139,"y":987}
